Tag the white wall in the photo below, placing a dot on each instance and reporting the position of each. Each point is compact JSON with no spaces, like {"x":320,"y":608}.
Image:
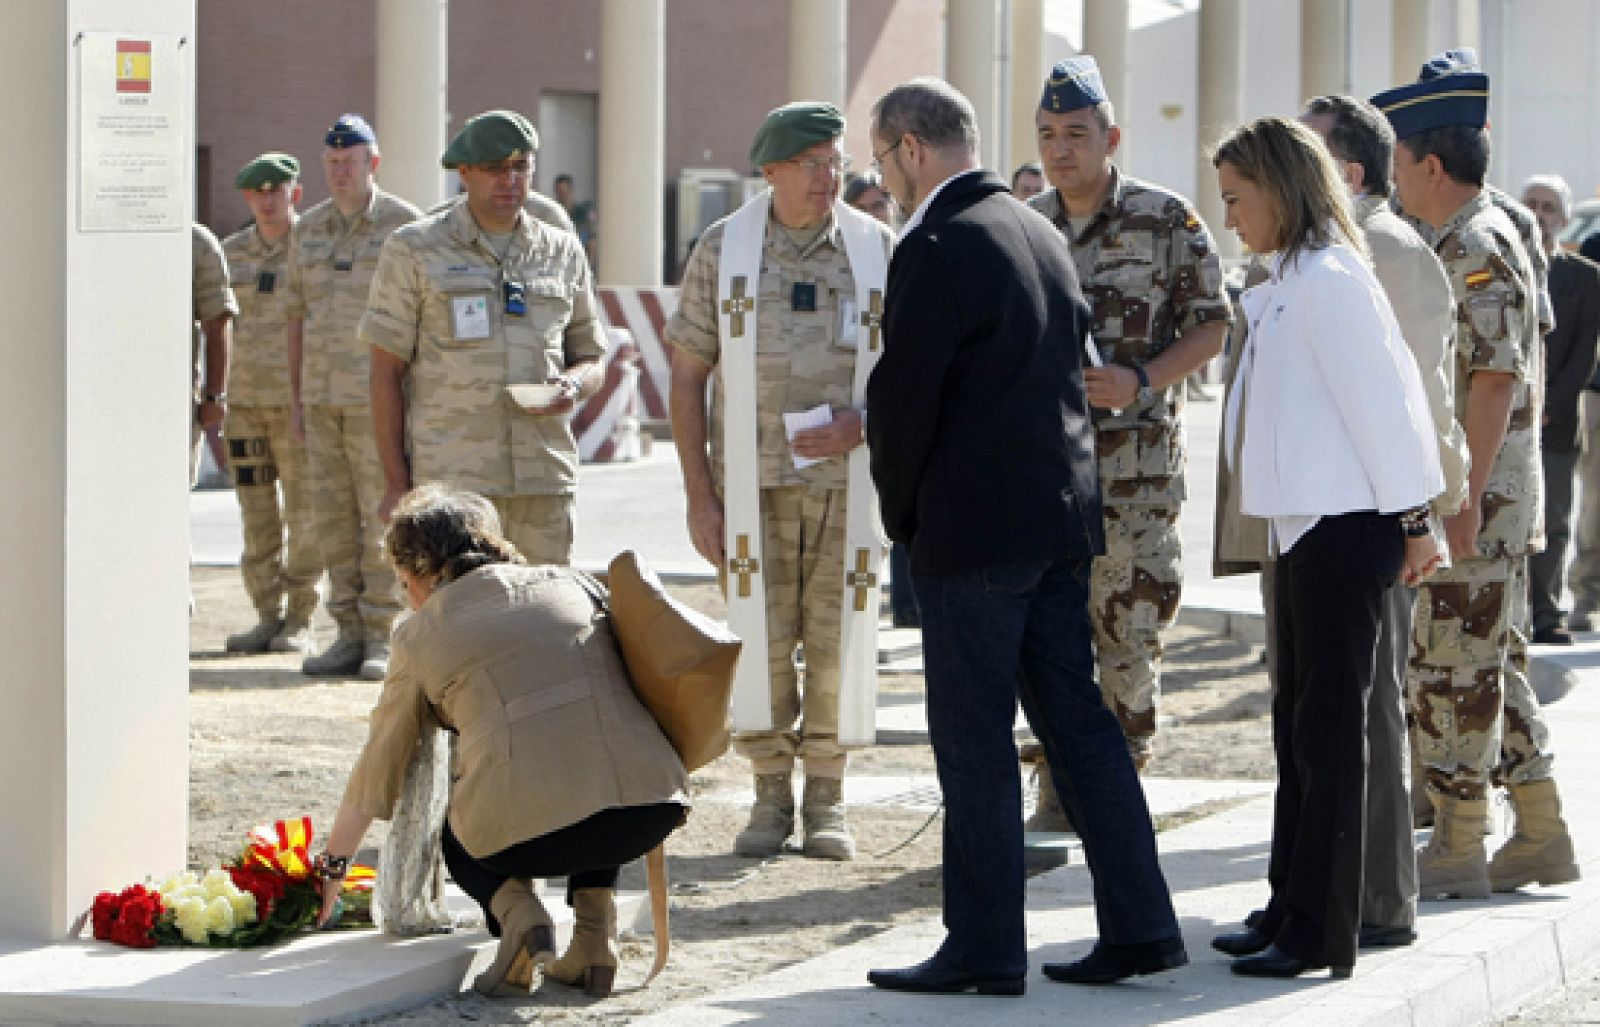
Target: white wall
{"x":94,"y":411}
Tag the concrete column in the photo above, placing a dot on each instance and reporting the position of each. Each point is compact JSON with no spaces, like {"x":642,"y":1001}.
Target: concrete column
{"x":817,"y":51}
{"x":1412,"y":29}
{"x":970,"y":46}
{"x":95,"y":408}
{"x":1105,"y":38}
{"x":1469,"y":28}
{"x":632,"y":141}
{"x":1222,"y":54}
{"x":1324,"y":47}
{"x":412,"y":111}
{"x":1028,"y":73}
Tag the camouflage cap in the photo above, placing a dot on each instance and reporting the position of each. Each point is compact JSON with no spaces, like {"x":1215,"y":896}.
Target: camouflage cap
{"x":795,"y":127}
{"x":267,"y":172}
{"x":350,"y":130}
{"x":491,"y":136}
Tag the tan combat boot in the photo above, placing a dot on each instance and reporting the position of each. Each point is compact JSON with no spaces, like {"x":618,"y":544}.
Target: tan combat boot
{"x":293,"y":637}
{"x":590,"y":961}
{"x":343,"y":657}
{"x":1541,"y":849}
{"x":257,"y":640}
{"x":771,"y":818}
{"x":1452,"y":866}
{"x":827,"y":836}
{"x":527,"y":939}
{"x":1048,"y":815}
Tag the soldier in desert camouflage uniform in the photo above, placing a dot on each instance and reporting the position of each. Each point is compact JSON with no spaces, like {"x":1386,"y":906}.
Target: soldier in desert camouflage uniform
{"x":1477,"y":719}
{"x":805,"y":357}
{"x":466,"y":302}
{"x":213,"y":309}
{"x":280,"y":560}
{"x":333,"y":252}
{"x":1151,"y":275}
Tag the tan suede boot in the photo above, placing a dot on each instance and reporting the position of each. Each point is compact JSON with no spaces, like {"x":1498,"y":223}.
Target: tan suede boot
{"x":527,"y":939}
{"x":771,"y":818}
{"x":590,"y":961}
{"x":1452,"y":866}
{"x":1540,"y":852}
{"x":1048,"y":815}
{"x":827,"y":835}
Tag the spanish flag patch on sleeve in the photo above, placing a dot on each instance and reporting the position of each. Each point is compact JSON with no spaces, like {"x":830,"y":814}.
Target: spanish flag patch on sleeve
{"x":1478,"y":279}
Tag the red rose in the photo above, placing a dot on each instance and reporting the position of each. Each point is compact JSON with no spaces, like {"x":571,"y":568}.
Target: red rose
{"x":104,"y":914}
{"x":268,"y":886}
{"x":127,"y":919}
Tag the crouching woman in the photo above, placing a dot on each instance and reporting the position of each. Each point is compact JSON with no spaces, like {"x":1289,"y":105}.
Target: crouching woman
{"x":558,"y":769}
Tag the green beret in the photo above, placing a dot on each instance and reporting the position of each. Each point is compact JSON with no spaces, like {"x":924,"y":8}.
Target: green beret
{"x":267,"y":172}
{"x":491,"y":136}
{"x":795,"y":127}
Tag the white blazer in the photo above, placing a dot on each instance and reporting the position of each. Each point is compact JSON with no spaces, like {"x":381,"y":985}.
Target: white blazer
{"x":1335,"y":417}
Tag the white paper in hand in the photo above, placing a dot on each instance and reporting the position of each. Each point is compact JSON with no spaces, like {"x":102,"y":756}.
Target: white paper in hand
{"x":816,"y":417}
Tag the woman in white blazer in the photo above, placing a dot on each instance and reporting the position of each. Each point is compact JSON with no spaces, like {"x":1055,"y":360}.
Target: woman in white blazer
{"x":1330,"y":427}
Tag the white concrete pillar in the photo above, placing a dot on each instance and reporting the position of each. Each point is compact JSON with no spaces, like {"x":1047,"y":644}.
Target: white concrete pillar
{"x":1412,"y":28}
{"x":971,"y":45}
{"x":1324,"y":47}
{"x":1469,"y":27}
{"x":632,"y":141}
{"x":1028,"y":74}
{"x":1222,"y":55}
{"x":1105,"y":38}
{"x":95,"y":411}
{"x":818,"y":51}
{"x":412,"y":111}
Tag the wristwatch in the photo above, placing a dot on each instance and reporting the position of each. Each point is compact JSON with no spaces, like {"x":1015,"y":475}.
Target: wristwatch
{"x":1145,"y":393}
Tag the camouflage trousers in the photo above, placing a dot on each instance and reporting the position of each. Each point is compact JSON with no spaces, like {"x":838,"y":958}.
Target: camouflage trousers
{"x":1475,"y":719}
{"x":541,"y":527}
{"x":346,"y":485}
{"x":268,"y":467}
{"x":1133,"y":594}
{"x":803,"y":542}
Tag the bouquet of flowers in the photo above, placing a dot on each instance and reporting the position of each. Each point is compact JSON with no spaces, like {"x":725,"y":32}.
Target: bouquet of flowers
{"x":264,"y":895}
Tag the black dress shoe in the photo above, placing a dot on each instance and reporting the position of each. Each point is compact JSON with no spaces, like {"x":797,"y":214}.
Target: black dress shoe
{"x":1107,"y":964}
{"x":1275,"y":962}
{"x":1553,"y":635}
{"x":1241,"y":943}
{"x":935,"y":977}
{"x":1385,"y":936}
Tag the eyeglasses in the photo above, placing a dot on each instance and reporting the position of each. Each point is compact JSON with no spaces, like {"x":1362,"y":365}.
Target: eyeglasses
{"x":504,"y":168}
{"x":811,"y":165}
{"x":877,"y":158}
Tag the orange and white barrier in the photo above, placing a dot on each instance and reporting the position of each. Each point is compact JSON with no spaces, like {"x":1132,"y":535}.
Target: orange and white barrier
{"x":607,"y":424}
{"x":644,"y":313}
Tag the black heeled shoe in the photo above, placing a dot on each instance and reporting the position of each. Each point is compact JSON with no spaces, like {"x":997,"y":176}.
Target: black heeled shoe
{"x":1274,"y":962}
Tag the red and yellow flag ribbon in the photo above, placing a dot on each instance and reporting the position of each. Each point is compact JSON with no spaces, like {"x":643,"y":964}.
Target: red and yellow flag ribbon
{"x":284,"y":846}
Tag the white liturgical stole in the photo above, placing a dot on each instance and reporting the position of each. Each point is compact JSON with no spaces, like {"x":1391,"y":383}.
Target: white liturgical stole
{"x":738,"y":283}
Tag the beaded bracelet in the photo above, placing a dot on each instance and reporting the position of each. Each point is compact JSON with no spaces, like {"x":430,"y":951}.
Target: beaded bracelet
{"x":1414,"y":522}
{"x":331,"y":868}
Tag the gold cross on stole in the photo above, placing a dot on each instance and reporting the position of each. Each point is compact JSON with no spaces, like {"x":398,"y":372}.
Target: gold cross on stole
{"x":861,"y":579}
{"x":743,"y":565}
{"x":872,"y":319}
{"x":738,"y":305}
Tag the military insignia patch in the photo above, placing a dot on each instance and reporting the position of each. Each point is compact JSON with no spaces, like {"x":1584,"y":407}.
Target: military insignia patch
{"x":1478,"y":279}
{"x":1487,"y":314}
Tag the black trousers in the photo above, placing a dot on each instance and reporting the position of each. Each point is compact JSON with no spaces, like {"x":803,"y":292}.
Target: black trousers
{"x":1329,"y":600}
{"x":588,"y":854}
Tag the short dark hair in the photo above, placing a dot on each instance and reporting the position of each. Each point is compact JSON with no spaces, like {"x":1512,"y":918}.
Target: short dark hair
{"x":563,"y":177}
{"x":932,"y":110}
{"x":858,"y":184}
{"x":1463,"y":151}
{"x":1032,"y":167}
{"x":1359,"y":134}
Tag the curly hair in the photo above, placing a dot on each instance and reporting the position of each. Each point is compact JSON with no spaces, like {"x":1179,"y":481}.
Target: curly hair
{"x":448,"y":532}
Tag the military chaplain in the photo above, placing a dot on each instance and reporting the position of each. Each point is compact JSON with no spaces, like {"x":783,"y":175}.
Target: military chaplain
{"x":1151,"y":275}
{"x":783,"y":299}
{"x":280,"y":564}
{"x":1477,"y":720}
{"x":468,"y":304}
{"x":333,"y":253}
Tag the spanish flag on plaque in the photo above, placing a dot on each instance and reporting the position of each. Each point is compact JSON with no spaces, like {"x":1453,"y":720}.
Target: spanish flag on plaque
{"x":133,"y":65}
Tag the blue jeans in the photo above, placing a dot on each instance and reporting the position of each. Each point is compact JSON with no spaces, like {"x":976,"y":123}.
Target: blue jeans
{"x":990,"y":638}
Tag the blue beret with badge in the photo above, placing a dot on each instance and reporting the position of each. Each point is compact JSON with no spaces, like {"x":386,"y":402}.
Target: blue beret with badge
{"x":1075,"y":83}
{"x":1463,"y":58}
{"x":350,"y":130}
{"x":1460,"y":98}
{"x":267,"y":172}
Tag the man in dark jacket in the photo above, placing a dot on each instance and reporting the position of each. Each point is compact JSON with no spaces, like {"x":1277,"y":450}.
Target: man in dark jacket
{"x":983,"y":455}
{"x":1569,"y":352}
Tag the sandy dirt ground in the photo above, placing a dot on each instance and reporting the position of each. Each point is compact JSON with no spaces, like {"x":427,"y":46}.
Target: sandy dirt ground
{"x":268,"y":742}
